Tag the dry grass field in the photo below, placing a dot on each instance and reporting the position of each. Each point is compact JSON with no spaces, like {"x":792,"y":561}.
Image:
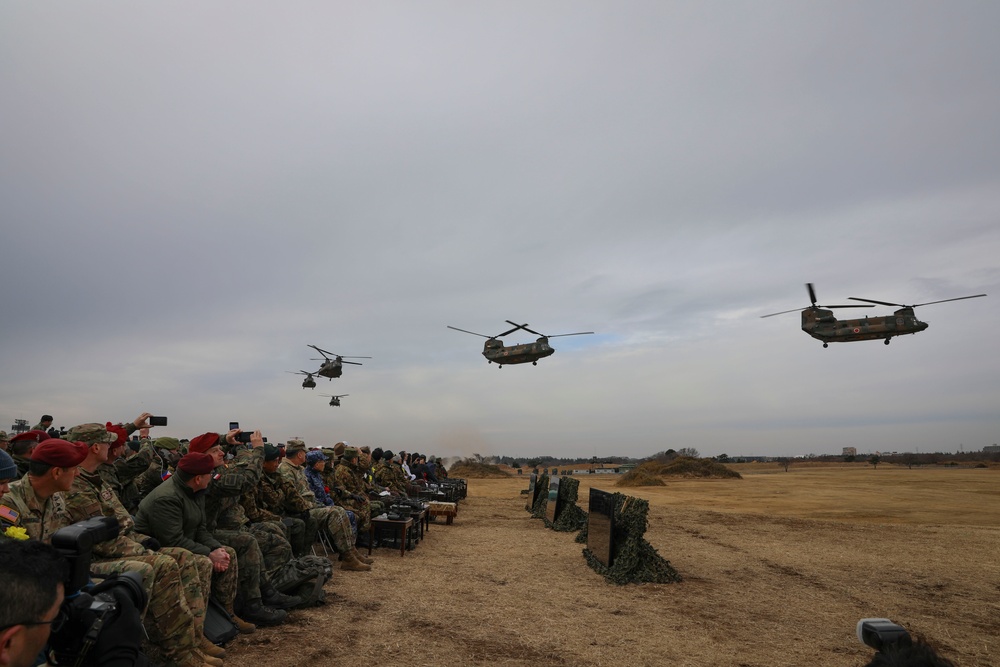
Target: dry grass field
{"x":778,"y":567}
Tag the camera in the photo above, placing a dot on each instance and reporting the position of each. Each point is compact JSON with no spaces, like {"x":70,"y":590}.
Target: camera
{"x":244,"y":437}
{"x":90,"y":609}
{"x":233,"y":426}
{"x":157,"y":421}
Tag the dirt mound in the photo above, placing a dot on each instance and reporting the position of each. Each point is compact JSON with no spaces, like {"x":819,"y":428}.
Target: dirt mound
{"x":474,"y":470}
{"x":649,"y":473}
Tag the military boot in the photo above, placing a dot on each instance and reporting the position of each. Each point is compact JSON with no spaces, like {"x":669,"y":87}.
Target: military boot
{"x":273,"y":598}
{"x":241,"y":625}
{"x":208,"y":648}
{"x":208,"y":659}
{"x":191,"y":659}
{"x":367,"y":560}
{"x":352,"y":564}
{"x":258,"y":613}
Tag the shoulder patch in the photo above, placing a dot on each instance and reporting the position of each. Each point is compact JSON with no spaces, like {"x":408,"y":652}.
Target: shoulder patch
{"x":9,"y":515}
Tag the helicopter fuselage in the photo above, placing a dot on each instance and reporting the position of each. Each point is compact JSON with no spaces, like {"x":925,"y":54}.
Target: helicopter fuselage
{"x":496,"y":352}
{"x":822,"y":325}
{"x":330,"y":369}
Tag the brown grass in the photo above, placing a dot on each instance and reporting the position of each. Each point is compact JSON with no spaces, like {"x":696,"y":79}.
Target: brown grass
{"x":778,"y":567}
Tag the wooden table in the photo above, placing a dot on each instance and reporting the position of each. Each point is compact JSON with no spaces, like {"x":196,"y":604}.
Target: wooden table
{"x":447,"y":510}
{"x":403,"y":525}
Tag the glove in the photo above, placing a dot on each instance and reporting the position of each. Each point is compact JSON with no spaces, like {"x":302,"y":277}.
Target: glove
{"x":358,"y":497}
{"x":151,"y":543}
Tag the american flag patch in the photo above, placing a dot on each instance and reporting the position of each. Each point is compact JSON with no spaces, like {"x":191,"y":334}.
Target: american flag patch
{"x":9,"y":515}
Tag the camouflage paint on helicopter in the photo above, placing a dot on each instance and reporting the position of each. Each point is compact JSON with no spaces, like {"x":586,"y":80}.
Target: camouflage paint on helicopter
{"x":495,"y":351}
{"x":820,"y":323}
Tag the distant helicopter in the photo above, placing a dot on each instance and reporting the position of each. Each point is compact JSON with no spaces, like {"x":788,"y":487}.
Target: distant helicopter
{"x":309,"y":382}
{"x":335,"y":400}
{"x":495,"y":351}
{"x":820,"y":323}
{"x":332,"y":366}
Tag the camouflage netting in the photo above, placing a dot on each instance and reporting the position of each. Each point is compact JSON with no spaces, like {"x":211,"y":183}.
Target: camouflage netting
{"x":542,"y":500}
{"x":569,"y":517}
{"x":634,"y":560}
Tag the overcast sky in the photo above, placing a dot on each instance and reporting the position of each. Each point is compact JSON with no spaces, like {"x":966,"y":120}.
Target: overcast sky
{"x":190,"y":193}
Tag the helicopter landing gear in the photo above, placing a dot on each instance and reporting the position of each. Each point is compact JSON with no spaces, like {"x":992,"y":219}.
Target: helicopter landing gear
{"x":534,"y":363}
{"x":826,"y":345}
{"x":887,"y":340}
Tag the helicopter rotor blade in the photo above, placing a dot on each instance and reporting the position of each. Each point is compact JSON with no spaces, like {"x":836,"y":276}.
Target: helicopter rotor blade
{"x":356,"y":363}
{"x":881,"y":303}
{"x":958,"y":298}
{"x":469,"y":332}
{"x":793,"y":310}
{"x":812,"y":294}
{"x":578,"y":333}
{"x":322,"y":351}
{"x":516,"y":327}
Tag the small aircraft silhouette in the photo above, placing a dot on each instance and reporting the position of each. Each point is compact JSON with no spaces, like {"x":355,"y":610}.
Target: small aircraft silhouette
{"x":819,"y":322}
{"x":495,"y":351}
{"x":335,"y":400}
{"x":332,"y":366}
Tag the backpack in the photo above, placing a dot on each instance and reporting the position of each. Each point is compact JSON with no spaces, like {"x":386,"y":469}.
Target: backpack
{"x":304,"y":577}
{"x":219,"y":625}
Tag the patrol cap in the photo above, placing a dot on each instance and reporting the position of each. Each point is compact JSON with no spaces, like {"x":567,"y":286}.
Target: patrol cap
{"x":196,"y":463}
{"x":350,"y":453}
{"x":316,"y":456}
{"x":7,"y":468}
{"x":366,"y":449}
{"x":60,"y":453}
{"x":271,"y":452}
{"x":293,"y":447}
{"x":203,"y":442}
{"x":91,"y":434}
{"x":168,"y":443}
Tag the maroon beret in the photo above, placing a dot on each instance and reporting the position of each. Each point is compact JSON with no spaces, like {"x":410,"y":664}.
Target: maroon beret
{"x":203,"y":442}
{"x":60,"y":453}
{"x":37,"y":436}
{"x":197,"y":463}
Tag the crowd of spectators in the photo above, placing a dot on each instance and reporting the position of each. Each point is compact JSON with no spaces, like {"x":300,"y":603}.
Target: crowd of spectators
{"x":216,"y":516}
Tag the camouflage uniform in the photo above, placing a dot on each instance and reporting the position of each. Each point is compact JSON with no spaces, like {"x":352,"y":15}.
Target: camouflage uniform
{"x":348,"y":477}
{"x":265,"y":502}
{"x":175,"y":516}
{"x":176,"y":580}
{"x":333,"y":520}
{"x":391,"y":476}
{"x":39,"y":518}
{"x":22,"y":463}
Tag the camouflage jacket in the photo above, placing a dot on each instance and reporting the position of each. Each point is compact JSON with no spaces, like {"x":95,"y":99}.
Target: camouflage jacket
{"x":130,"y":468}
{"x":22,"y":463}
{"x":89,"y":497}
{"x":295,"y":476}
{"x":281,"y":496}
{"x":258,"y":502}
{"x":229,"y":483}
{"x":349,"y":478}
{"x":391,"y":476}
{"x":39,"y":518}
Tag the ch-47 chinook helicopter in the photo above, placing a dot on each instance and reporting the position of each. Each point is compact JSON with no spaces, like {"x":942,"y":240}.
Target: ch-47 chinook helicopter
{"x":495,"y":351}
{"x":819,"y":322}
{"x":335,"y":400}
{"x":332,"y":366}
{"x":309,"y":382}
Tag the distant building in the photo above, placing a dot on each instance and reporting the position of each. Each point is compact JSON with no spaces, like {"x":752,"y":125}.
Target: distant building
{"x":850,"y":451}
{"x":992,"y":449}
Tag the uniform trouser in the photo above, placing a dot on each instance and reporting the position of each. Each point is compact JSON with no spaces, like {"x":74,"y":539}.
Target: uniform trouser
{"x":362,"y":513}
{"x":274,"y":547}
{"x":169,"y":621}
{"x":297,"y":535}
{"x":225,"y":584}
{"x":333,"y":521}
{"x":250,"y":559}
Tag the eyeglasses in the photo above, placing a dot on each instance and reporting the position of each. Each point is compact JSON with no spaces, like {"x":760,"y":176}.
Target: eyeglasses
{"x":56,"y":623}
